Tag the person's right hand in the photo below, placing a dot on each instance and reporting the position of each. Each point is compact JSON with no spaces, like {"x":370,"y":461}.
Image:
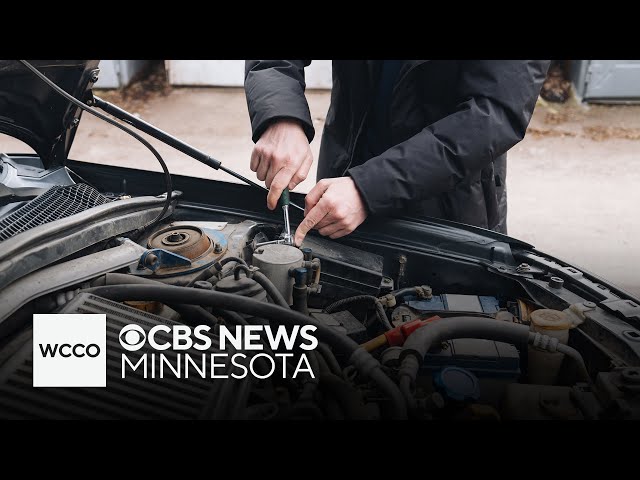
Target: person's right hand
{"x":282,"y":158}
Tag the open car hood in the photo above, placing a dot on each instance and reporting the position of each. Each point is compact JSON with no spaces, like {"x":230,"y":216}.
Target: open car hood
{"x":33,"y":113}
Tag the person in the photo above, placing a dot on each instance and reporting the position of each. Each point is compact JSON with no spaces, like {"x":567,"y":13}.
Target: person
{"x":421,"y":138}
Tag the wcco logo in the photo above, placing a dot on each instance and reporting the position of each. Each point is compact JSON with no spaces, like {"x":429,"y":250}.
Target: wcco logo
{"x":69,"y":350}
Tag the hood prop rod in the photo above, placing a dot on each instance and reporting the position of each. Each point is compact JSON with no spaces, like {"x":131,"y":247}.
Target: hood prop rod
{"x":172,"y":141}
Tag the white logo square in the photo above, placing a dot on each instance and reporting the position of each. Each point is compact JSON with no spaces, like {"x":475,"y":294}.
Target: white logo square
{"x":69,"y":350}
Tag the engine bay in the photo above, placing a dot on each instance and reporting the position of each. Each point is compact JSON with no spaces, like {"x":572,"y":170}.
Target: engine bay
{"x":406,"y":331}
{"x":411,"y":318}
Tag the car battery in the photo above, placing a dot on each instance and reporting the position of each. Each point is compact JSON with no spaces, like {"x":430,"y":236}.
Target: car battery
{"x":454,"y":302}
{"x":496,"y":364}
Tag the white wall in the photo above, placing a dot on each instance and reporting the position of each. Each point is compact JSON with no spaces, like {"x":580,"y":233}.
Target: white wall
{"x":230,"y":73}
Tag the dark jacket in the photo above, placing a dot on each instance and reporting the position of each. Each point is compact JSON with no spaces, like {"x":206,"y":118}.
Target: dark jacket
{"x":450,"y":122}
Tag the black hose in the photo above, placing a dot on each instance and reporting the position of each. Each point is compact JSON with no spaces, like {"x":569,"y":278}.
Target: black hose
{"x":310,"y":383}
{"x":364,"y":362}
{"x":226,"y":260}
{"x":187,"y":312}
{"x":380,"y":313}
{"x":403,"y":291}
{"x":79,"y":104}
{"x":330,"y":358}
{"x":227,"y":301}
{"x":190,"y":314}
{"x":211,"y":272}
{"x":418,"y":290}
{"x":241,"y":268}
{"x":231,"y":317}
{"x":263,"y":281}
{"x":322,"y":363}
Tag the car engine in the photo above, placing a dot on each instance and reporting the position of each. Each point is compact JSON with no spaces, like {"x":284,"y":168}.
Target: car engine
{"x":402,"y":333}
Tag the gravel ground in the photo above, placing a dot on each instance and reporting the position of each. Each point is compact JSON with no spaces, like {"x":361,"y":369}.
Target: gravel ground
{"x":572,"y":182}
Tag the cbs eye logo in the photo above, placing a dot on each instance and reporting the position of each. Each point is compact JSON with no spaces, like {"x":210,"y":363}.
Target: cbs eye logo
{"x":132,"y":337}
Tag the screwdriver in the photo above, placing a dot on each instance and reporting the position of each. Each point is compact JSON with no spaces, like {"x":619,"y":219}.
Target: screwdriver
{"x":284,"y":202}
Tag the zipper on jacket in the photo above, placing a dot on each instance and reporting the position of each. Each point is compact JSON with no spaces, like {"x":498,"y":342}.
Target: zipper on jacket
{"x":355,"y":142}
{"x":393,"y":92}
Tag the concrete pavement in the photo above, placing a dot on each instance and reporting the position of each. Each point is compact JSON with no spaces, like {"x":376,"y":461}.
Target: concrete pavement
{"x":573,"y":182}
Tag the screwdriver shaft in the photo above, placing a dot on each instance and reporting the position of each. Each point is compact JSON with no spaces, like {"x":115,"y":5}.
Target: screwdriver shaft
{"x":287,"y":225}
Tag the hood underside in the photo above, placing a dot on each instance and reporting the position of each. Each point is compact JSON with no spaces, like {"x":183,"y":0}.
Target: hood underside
{"x":33,"y":113}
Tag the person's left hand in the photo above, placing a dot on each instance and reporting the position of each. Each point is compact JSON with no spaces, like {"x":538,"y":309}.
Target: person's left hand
{"x":334,"y":207}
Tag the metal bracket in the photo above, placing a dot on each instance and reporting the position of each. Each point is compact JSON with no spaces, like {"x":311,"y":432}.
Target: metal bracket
{"x":627,"y":308}
{"x":157,"y":257}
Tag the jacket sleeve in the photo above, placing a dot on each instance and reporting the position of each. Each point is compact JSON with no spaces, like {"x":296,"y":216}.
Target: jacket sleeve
{"x":496,"y":101}
{"x":274,"y":90}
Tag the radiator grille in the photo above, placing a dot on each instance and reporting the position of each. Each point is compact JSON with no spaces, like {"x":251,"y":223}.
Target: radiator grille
{"x":55,"y":203}
{"x":132,"y":397}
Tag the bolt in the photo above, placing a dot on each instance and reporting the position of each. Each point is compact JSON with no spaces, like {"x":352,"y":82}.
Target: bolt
{"x":502,"y":268}
{"x":217,"y":248}
{"x":589,"y":304}
{"x":203,"y":285}
{"x":523,"y":267}
{"x":556,"y":282}
{"x":75,"y":122}
{"x":150,"y":260}
{"x":94,"y":77}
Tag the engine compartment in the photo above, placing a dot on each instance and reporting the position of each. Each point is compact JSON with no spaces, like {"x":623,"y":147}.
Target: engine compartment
{"x":454,"y":336}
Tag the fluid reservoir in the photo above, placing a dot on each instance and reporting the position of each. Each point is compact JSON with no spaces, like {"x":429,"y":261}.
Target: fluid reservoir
{"x":544,"y":366}
{"x":274,"y":261}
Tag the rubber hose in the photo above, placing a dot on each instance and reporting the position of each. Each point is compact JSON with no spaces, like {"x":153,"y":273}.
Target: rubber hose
{"x":574,"y":355}
{"x":382,"y":316}
{"x":330,"y":358}
{"x":231,"y":317}
{"x":310,"y":383}
{"x":405,"y":388}
{"x":226,"y":260}
{"x":188,"y":312}
{"x":226,"y":301}
{"x":322,"y":363}
{"x":212,"y":272}
{"x":421,"y":340}
{"x":264,"y":282}
{"x":391,"y":390}
{"x":365,"y":363}
{"x":241,"y":268}
{"x":403,"y":291}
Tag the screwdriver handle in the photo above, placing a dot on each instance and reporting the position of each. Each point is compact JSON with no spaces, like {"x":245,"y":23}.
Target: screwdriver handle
{"x":284,"y":197}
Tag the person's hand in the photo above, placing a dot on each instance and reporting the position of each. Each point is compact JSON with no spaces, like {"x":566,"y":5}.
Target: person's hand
{"x":282,"y":158}
{"x":334,"y":207}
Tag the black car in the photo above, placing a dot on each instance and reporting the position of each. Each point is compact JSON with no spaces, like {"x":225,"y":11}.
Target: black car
{"x":417,"y":319}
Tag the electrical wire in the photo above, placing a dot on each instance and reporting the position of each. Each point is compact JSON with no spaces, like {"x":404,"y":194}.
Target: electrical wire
{"x":79,"y":104}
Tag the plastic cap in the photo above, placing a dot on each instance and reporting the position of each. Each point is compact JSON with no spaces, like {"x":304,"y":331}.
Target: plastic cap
{"x":457,"y":384}
{"x":547,"y":319}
